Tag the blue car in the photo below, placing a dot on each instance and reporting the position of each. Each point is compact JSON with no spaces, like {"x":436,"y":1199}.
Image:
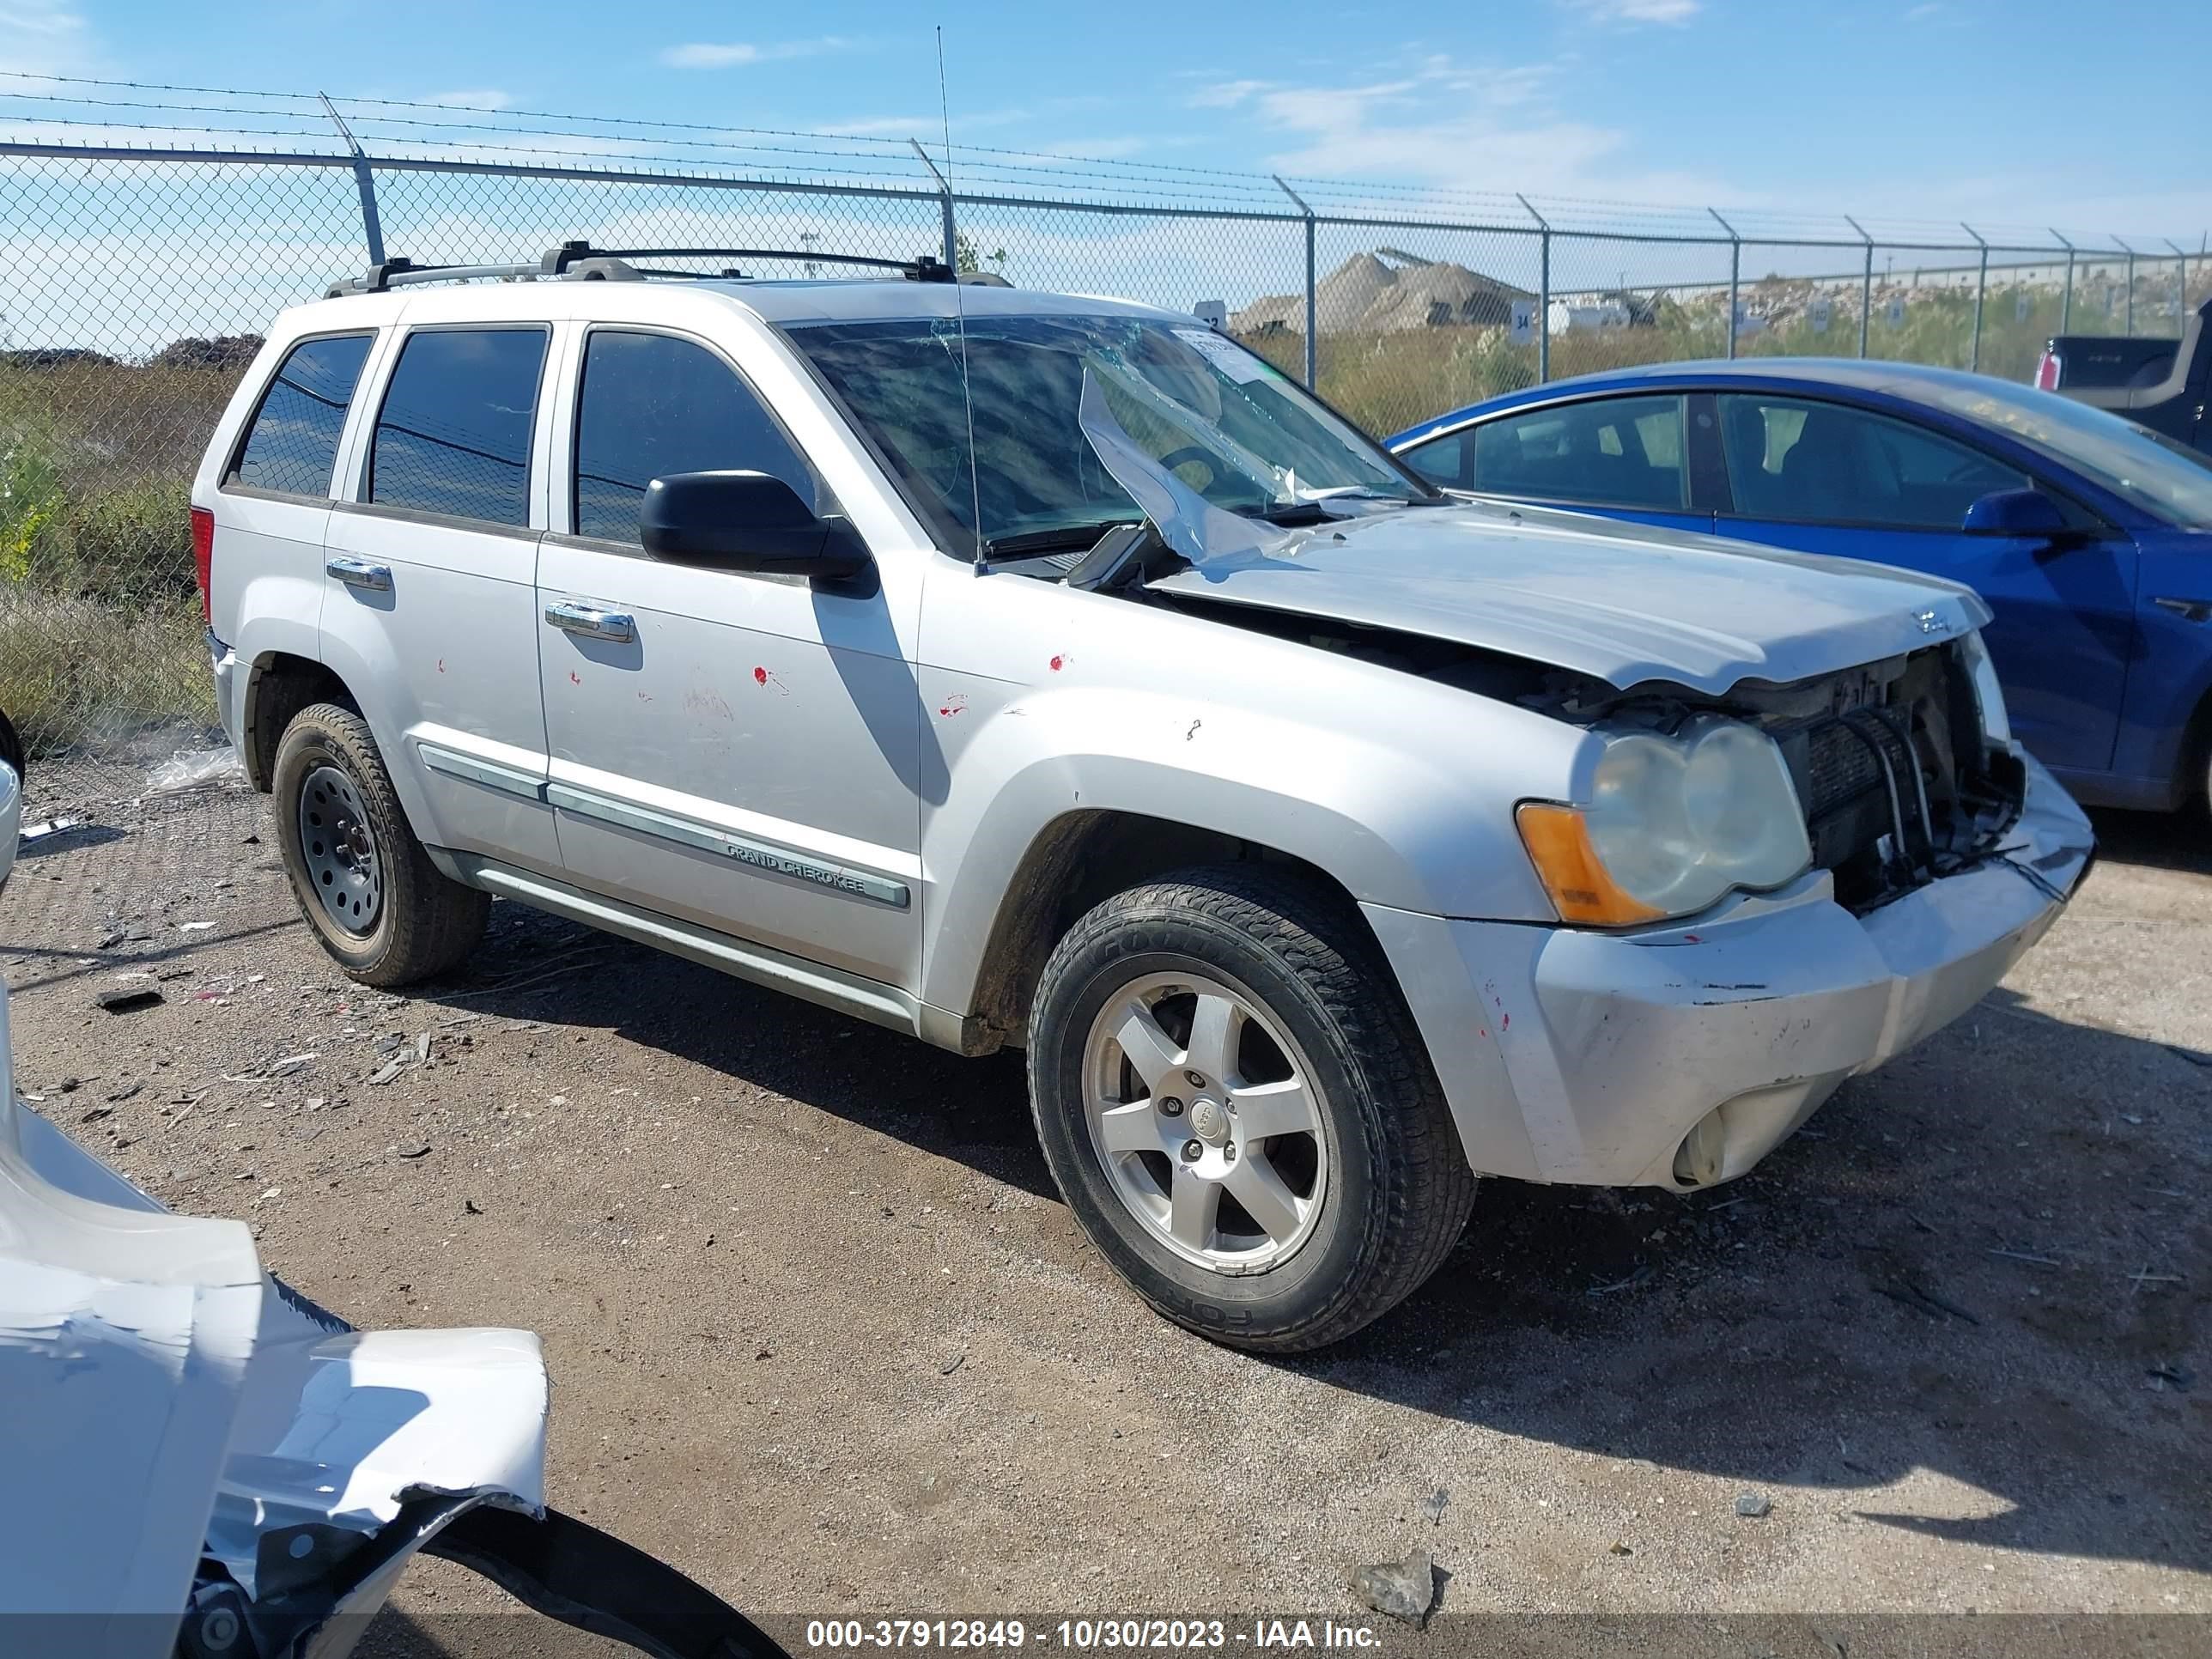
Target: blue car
{"x":2090,"y":536}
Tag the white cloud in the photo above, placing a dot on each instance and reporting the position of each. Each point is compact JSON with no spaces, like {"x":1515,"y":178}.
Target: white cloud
{"x":1674,"y":12}
{"x":42,"y":37}
{"x":1226,"y":95}
{"x":1469,"y":126}
{"x":704,"y":54}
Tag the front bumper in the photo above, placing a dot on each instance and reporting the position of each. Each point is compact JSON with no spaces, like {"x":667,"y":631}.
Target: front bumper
{"x":1682,"y":1056}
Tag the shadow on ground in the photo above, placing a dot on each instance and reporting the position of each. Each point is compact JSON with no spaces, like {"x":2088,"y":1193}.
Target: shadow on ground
{"x":1990,"y":1261}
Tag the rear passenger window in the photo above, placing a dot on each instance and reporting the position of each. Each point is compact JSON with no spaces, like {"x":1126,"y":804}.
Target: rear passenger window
{"x":653,"y":406}
{"x":293,"y":442}
{"x":453,"y":436}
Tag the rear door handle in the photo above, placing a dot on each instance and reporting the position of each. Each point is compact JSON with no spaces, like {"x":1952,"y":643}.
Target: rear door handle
{"x":359,"y":573}
{"x":593,"y":622}
{"x":2196,"y":610}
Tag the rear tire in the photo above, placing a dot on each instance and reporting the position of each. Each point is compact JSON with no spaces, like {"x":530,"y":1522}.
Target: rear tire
{"x":375,"y":900}
{"x":1235,"y":1103}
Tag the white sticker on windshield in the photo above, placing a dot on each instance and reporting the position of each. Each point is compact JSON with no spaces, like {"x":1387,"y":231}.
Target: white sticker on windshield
{"x":1231,"y":359}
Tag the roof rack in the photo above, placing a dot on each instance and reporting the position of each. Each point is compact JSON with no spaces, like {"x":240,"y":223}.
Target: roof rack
{"x":578,"y":261}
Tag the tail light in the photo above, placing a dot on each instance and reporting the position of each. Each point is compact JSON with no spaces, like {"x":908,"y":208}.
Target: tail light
{"x":2048,"y":370}
{"x":203,"y":559}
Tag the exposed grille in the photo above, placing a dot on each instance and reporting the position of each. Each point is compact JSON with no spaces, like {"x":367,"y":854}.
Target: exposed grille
{"x":1877,"y":777}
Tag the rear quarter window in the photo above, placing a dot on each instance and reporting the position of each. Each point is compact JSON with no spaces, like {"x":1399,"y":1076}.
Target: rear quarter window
{"x":292,"y":446}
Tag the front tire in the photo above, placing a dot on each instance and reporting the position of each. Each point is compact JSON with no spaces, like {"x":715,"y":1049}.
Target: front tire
{"x":1238,"y":1110}
{"x":377,"y":904}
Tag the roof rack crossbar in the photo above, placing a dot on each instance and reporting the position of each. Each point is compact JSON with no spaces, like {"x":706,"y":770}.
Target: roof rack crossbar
{"x":580,"y":260}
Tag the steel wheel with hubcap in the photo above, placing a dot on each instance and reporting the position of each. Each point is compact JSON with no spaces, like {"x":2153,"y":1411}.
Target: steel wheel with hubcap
{"x":366,"y":885}
{"x":340,"y":850}
{"x":1236,"y":1105}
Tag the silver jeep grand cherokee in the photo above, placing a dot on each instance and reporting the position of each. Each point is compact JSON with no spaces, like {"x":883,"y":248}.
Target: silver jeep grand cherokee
{"x":1007,"y":667}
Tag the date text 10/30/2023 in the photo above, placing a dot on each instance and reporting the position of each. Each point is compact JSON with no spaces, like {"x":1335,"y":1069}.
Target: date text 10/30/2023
{"x":1087,"y":1635}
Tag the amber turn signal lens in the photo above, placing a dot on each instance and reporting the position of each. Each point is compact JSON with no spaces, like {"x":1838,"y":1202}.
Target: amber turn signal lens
{"x":1559,"y":845}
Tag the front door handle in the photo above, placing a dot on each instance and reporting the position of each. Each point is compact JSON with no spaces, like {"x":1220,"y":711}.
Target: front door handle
{"x":359,"y":573}
{"x":2196,"y":610}
{"x":593,"y":622}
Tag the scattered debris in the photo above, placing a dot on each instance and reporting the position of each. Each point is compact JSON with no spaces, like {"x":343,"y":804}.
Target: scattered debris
{"x":2022,"y":1255}
{"x":1916,"y":1296}
{"x":190,"y":769}
{"x":290,"y":1064}
{"x":952,"y":1362}
{"x":126,"y":1092}
{"x":2177,"y":1377}
{"x":1433,"y":1506}
{"x":468,"y":1207}
{"x":391,"y":1070}
{"x":410,"y":1149}
{"x":1752,"y":1505}
{"x":1404,"y":1590}
{"x":129,"y":998}
{"x":194,"y":927}
{"x":1618,"y":1548}
{"x":422,"y":1048}
{"x":1633,"y":1279}
{"x":96,"y":1114}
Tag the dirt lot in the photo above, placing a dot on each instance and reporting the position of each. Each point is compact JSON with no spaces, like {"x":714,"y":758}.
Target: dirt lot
{"x":822,"y":1334}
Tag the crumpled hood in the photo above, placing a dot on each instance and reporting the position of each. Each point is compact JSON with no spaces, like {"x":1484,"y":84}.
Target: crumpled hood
{"x":1622,"y":603}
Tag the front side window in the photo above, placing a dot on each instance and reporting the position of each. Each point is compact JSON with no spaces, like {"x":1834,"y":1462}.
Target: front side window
{"x":453,"y":436}
{"x":1608,"y":452}
{"x":1798,"y":461}
{"x":1224,"y":421}
{"x":653,"y":406}
{"x":293,"y":445}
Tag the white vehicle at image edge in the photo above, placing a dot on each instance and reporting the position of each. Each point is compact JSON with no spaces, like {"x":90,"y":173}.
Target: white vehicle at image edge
{"x":197,"y":1460}
{"x":1326,"y":841}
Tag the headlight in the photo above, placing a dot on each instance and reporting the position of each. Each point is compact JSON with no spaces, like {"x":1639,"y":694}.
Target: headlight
{"x":1996,"y":725}
{"x":1674,"y":823}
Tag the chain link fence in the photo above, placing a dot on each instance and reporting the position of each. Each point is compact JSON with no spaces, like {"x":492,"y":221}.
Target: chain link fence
{"x":135,"y":280}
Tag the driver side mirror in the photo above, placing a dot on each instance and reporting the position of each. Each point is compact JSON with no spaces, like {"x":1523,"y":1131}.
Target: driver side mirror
{"x":2015,"y":513}
{"x":746,"y":521}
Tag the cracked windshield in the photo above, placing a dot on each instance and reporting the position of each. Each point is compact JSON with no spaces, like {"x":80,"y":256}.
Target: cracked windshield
{"x":1224,"y":421}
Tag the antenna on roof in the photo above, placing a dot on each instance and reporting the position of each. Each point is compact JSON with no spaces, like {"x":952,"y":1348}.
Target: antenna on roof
{"x":960,"y":317}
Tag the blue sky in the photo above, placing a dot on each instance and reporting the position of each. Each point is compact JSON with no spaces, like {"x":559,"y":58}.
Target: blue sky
{"x":2017,"y":111}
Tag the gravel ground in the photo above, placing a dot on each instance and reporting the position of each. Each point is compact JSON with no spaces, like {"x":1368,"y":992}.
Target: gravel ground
{"x":822,"y":1335}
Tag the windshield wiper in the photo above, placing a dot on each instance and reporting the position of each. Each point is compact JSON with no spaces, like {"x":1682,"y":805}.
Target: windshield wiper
{"x":1059,"y":539}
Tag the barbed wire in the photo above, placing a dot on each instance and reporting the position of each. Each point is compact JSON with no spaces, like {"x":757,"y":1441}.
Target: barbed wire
{"x":884,"y":158}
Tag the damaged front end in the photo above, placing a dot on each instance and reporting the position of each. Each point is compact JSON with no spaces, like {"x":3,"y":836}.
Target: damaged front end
{"x":1901,"y":768}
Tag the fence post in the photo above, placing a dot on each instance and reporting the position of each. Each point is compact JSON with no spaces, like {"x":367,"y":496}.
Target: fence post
{"x":1981,"y":292}
{"x":1313,"y":285}
{"x":2130,"y":253}
{"x":1866,"y":284}
{"x":2180,"y":286}
{"x":1736,"y":275}
{"x":371,"y":227}
{"x":1543,"y":290}
{"x":944,"y":207}
{"x":2066,"y":301}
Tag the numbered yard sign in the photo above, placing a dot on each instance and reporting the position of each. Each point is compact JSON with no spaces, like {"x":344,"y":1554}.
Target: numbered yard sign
{"x":1895,"y":311}
{"x":1820,"y":314}
{"x":1522,"y":329}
